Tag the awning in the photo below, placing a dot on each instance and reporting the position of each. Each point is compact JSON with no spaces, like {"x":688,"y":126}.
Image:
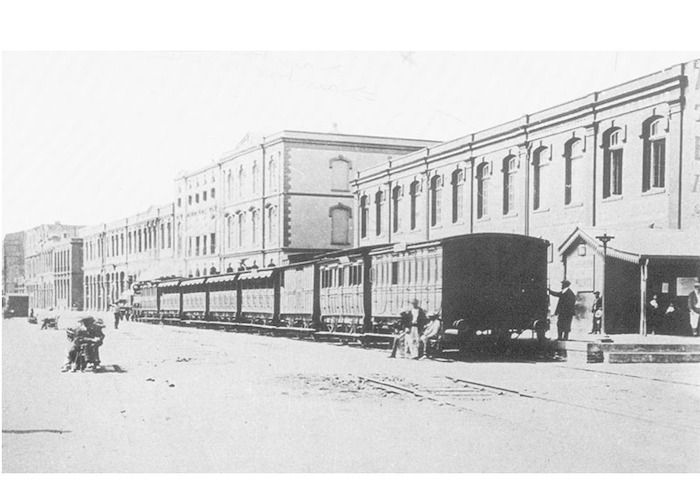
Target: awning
{"x":197,"y":281}
{"x":255,"y":275}
{"x":632,"y":245}
{"x":223,"y":278}
{"x":170,"y":283}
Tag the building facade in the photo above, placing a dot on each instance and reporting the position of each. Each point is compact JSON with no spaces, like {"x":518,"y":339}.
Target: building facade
{"x":39,"y":263}
{"x":627,"y":157}
{"x":13,"y":263}
{"x":273,"y":199}
{"x":68,"y":274}
{"x":118,"y":253}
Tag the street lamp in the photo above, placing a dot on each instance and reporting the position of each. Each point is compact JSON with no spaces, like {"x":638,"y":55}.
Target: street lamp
{"x":605,"y":239}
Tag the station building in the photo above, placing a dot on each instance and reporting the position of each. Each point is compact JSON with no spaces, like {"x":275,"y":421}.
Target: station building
{"x":623,"y":158}
{"x":274,"y":198}
{"x":119,"y":253}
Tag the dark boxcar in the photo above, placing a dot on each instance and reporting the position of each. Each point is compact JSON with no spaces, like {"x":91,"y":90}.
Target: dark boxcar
{"x":494,"y":283}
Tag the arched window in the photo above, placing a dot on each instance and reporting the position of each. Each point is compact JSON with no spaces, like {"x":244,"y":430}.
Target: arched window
{"x":612,"y":163}
{"x":654,"y":166}
{"x":539,"y":160}
{"x":510,"y":167}
{"x":435,"y":200}
{"x":229,"y":185}
{"x":573,"y":174}
{"x":340,"y":174}
{"x":483,"y":173}
{"x":241,"y":228}
{"x":340,"y":224}
{"x":254,"y":226}
{"x":364,"y":213}
{"x":414,"y":193}
{"x":378,"y":200}
{"x":241,"y":180}
{"x":254,"y":177}
{"x":272,"y":226}
{"x":457,"y":195}
{"x":272,"y":176}
{"x":395,"y":208}
{"x":179,"y":238}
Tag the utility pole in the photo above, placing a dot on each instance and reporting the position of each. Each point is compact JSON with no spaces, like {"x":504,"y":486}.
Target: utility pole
{"x":605,"y":239}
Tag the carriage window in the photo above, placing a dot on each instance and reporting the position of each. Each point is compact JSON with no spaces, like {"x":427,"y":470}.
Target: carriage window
{"x":394,"y":273}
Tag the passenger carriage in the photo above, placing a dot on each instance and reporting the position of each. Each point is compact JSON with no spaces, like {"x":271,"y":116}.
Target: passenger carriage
{"x":298,"y":285}
{"x":259,"y":296}
{"x":223,"y":297}
{"x":343,"y":298}
{"x":146,"y":301}
{"x":169,"y":299}
{"x":194,"y":298}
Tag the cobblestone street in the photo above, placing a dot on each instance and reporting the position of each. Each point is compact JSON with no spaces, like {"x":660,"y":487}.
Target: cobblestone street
{"x":186,"y":400}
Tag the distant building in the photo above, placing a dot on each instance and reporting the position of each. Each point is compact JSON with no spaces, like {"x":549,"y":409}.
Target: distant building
{"x":117,"y":254}
{"x":13,"y":263}
{"x":273,"y":199}
{"x":39,"y":264}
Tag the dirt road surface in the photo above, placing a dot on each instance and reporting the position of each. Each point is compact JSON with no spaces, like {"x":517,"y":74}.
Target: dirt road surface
{"x":188,"y":400}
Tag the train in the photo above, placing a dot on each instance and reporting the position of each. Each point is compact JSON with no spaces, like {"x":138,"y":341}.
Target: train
{"x":487,"y":285}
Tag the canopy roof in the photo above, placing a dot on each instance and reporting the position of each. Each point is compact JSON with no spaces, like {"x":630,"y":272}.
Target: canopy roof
{"x":633,"y":245}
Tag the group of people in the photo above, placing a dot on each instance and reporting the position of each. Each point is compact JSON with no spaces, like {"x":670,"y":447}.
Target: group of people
{"x":87,"y":335}
{"x":659,"y":318}
{"x":419,"y":333}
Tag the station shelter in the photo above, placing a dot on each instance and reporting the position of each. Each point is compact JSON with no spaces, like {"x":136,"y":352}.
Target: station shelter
{"x":641,"y":265}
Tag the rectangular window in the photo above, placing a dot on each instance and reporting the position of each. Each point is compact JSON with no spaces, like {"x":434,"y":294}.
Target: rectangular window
{"x":204,"y":245}
{"x":196,"y":246}
{"x":659,"y":163}
{"x":212,"y":240}
{"x":394,"y":273}
{"x":189,"y":200}
{"x":204,"y":196}
{"x":616,"y":174}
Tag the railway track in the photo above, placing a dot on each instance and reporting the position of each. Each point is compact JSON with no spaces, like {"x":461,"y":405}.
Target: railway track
{"x":466,"y":394}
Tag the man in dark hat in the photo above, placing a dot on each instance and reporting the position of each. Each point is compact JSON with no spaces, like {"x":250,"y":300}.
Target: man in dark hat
{"x":565,"y":309}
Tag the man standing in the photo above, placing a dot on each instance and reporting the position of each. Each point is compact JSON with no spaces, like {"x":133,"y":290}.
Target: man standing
{"x":597,"y":313}
{"x":117,"y":315}
{"x":565,"y":309}
{"x":694,"y":308}
{"x":418,"y":322}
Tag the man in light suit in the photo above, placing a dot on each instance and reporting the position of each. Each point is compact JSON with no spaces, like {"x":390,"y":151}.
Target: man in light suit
{"x":694,"y":308}
{"x":565,"y":309}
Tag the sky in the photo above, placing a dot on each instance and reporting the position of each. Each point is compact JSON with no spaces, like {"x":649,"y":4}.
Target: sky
{"x":91,"y":137}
